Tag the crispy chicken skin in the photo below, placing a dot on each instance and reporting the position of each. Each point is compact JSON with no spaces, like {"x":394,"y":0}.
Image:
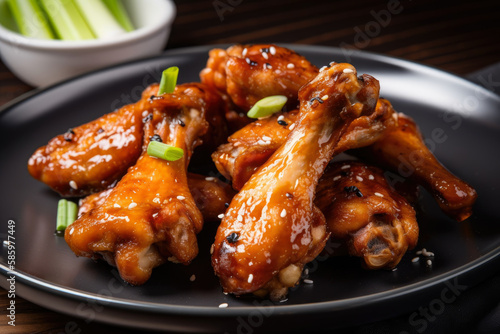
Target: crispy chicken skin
{"x":272,"y":228}
{"x":404,"y":149}
{"x":150,"y":216}
{"x":92,"y":156}
{"x":250,"y":147}
{"x":210,"y":194}
{"x":248,"y":73}
{"x":364,"y":212}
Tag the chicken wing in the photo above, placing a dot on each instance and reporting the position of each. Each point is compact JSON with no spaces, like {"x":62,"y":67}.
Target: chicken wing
{"x":95,"y":155}
{"x":272,"y":228}
{"x":91,"y":157}
{"x":210,"y":194}
{"x":250,"y":147}
{"x":404,"y":149}
{"x":150,"y":216}
{"x":364,"y":212}
{"x":248,"y":73}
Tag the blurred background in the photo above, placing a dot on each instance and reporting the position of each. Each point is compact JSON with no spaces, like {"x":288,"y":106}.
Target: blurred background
{"x":460,"y":38}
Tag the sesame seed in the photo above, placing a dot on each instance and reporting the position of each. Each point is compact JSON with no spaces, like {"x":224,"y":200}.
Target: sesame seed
{"x":419,"y":252}
{"x":290,"y":66}
{"x":223,"y":305}
{"x":132,"y":205}
{"x":429,"y":263}
{"x":345,"y":167}
{"x":71,"y":231}
{"x":306,"y":271}
{"x":324,"y":97}
{"x":333,"y":63}
{"x":359,"y":178}
{"x":192,"y":278}
{"x":272,"y":50}
{"x":338,"y":177}
{"x":394,"y":269}
{"x":427,"y":253}
{"x":73,"y":184}
{"x":281,"y":118}
{"x":250,"y":278}
{"x":371,"y":177}
{"x":181,"y":198}
{"x":240,"y":218}
{"x":292,"y":126}
{"x":308,"y":281}
{"x":212,"y":248}
{"x":264,"y":54}
{"x":289,"y":195}
{"x":348,"y":70}
{"x":378,"y":194}
{"x":283,"y":213}
{"x":415,"y":259}
{"x":323,"y":68}
{"x":210,"y":178}
{"x":220,"y":216}
{"x":244,"y":53}
{"x":266,"y":138}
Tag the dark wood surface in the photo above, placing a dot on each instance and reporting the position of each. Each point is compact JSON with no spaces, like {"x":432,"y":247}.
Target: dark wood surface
{"x":459,"y":38}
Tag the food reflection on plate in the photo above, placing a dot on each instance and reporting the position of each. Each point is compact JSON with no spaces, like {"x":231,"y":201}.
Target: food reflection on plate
{"x":280,"y":197}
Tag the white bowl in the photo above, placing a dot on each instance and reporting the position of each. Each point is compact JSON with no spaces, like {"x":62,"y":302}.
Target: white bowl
{"x":41,"y":62}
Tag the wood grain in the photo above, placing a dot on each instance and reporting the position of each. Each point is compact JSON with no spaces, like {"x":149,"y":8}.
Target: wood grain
{"x":458,"y":38}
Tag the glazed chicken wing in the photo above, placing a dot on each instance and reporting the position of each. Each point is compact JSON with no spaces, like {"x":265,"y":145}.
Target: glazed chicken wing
{"x":248,"y":73}
{"x":92,"y":156}
{"x":150,"y":216}
{"x":364,"y":212}
{"x":272,"y":228}
{"x":404,"y":148}
{"x":250,"y":147}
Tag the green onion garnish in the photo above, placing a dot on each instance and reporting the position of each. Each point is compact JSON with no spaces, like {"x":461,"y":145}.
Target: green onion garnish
{"x":168,"y":80}
{"x":67,"y":20}
{"x":100,"y":20}
{"x":66,"y":214}
{"x":30,"y":19}
{"x":118,"y":10}
{"x":164,"y":151}
{"x":267,"y":106}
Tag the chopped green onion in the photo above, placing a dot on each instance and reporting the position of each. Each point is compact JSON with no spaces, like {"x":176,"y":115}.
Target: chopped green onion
{"x":168,"y":80}
{"x":67,"y":20}
{"x":267,"y":106}
{"x":30,"y":19}
{"x":118,"y":10}
{"x":100,"y":20}
{"x":66,"y":214}
{"x":164,"y":151}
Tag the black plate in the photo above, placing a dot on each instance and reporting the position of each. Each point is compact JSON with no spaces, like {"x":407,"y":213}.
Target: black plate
{"x":460,"y":120}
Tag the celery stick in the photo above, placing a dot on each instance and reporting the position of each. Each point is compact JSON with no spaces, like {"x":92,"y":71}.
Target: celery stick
{"x":7,"y":18}
{"x":118,"y":10}
{"x":100,"y":20}
{"x":30,"y":19}
{"x":67,"y":20}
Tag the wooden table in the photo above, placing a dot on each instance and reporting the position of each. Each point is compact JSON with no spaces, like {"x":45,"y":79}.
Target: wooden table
{"x":461,"y":38}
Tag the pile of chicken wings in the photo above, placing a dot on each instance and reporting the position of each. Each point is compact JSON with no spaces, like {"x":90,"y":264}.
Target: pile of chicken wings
{"x":281,"y":197}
